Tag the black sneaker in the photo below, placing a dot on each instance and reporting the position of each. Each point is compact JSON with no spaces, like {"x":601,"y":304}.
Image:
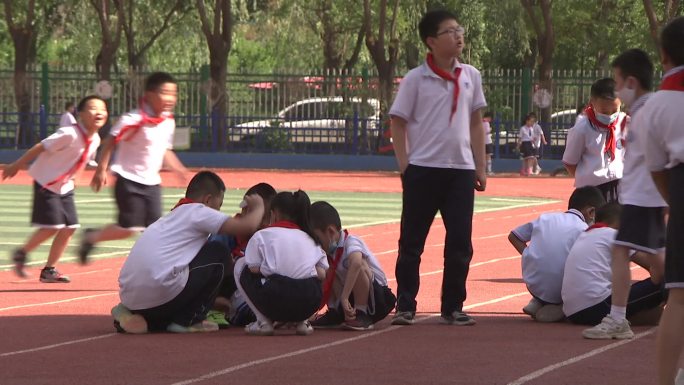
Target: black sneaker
{"x":86,"y":247}
{"x":330,"y":320}
{"x":361,"y":322}
{"x":403,"y":318}
{"x":458,"y":318}
{"x":51,"y":275}
{"x":19,"y":259}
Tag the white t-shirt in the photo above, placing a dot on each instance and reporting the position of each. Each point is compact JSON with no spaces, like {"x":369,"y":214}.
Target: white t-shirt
{"x":488,"y":132}
{"x":140,"y":154}
{"x":588,"y":275}
{"x":550,"y":238}
{"x":525,"y":134}
{"x":664,"y":146}
{"x":67,"y":119}
{"x":63,"y":149}
{"x":584,"y":148}
{"x":434,"y":138}
{"x":537,"y":134}
{"x":287,"y":252}
{"x":156,"y":269}
{"x":636,"y":186}
{"x":353,"y":244}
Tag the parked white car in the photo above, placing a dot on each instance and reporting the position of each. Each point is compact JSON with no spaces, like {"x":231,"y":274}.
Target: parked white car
{"x":321,"y":120}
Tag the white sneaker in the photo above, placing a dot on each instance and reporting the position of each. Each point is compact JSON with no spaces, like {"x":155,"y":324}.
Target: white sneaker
{"x":609,"y":329}
{"x":304,"y":328}
{"x":532,"y":307}
{"x":257,"y":328}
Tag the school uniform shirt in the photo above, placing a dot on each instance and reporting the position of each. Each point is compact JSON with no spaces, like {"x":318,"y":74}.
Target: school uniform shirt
{"x":287,"y":252}
{"x":525,"y":134}
{"x":663,"y":113}
{"x":636,"y":186}
{"x":584,"y":148}
{"x":587,"y":278}
{"x":140,"y":154}
{"x":434,"y":137}
{"x":537,"y":134}
{"x":67,"y":119}
{"x":488,"y":132}
{"x":550,"y":238}
{"x":156,"y":269}
{"x":63,"y":149}
{"x":352,"y":244}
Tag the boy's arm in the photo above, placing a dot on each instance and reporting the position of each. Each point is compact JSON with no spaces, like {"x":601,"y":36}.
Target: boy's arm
{"x":356,"y":264}
{"x":100,"y":175}
{"x":12,"y":169}
{"x":477,"y":144}
{"x":574,"y":148}
{"x":320,"y":272}
{"x":248,"y":223}
{"x":171,"y":161}
{"x":662,"y":182}
{"x":398,"y":128}
{"x":517,"y":243}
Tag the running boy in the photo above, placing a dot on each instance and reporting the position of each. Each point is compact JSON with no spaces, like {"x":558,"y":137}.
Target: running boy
{"x":550,"y":238}
{"x":355,"y":288}
{"x":594,"y":146}
{"x":587,"y":279}
{"x":643,"y":212}
{"x":143,"y":139}
{"x":59,"y":157}
{"x":663,"y":116}
{"x":172,"y":274}
{"x":281,"y":272}
{"x":439,"y":145}
{"x":538,"y":139}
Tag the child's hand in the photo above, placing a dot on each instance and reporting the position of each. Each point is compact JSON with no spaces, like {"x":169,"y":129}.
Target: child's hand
{"x":10,"y":171}
{"x":252,"y":201}
{"x":99,"y":180}
{"x":349,"y":312}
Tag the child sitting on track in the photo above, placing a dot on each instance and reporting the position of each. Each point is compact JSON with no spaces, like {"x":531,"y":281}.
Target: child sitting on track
{"x":283,"y":267}
{"x":550,"y":238}
{"x":59,"y":157}
{"x":355,"y":289}
{"x":172,"y":274}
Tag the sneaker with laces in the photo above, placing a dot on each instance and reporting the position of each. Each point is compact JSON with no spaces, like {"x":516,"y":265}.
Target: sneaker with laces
{"x":86,"y":246}
{"x":51,"y":275}
{"x":19,"y":259}
{"x":532,"y":307}
{"x":331,"y":319}
{"x":403,"y":318}
{"x":257,"y":328}
{"x":458,"y":318}
{"x":361,"y":322}
{"x":219,"y":318}
{"x":304,"y":328}
{"x":608,"y":329}
{"x":127,"y":322}
{"x":200,"y":327}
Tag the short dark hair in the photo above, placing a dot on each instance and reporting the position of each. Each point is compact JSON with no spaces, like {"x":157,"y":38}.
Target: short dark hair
{"x":609,"y":213}
{"x":83,"y":102}
{"x":68,"y":105}
{"x":203,"y":183}
{"x":588,"y":196}
{"x":266,"y":192}
{"x":429,"y":24}
{"x":488,"y":114}
{"x":672,"y":40}
{"x":155,"y":80}
{"x":322,"y":214}
{"x":603,"y":89}
{"x":636,"y":63}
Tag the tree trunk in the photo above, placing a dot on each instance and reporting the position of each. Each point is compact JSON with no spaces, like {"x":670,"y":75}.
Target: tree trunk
{"x":218,"y":71}
{"x":25,"y":136}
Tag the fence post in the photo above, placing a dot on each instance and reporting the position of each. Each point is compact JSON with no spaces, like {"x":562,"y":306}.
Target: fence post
{"x":45,"y":87}
{"x":204,"y":90}
{"x":526,"y":90}
{"x":497,"y":134}
{"x":355,"y":138}
{"x":42,"y":118}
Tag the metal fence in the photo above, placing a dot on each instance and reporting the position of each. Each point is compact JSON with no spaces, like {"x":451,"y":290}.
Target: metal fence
{"x":331,"y":112}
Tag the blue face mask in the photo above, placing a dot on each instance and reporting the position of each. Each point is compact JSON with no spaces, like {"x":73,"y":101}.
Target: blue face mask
{"x":606,"y":119}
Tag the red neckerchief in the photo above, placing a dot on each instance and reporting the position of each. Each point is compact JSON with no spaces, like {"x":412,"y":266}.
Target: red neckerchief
{"x":611,"y":142}
{"x":597,"y":225}
{"x":285,"y":224}
{"x":183,"y":201}
{"x":81,"y":160}
{"x":144,"y":120}
{"x":330,"y":277}
{"x":452,"y":77}
{"x":674,"y":82}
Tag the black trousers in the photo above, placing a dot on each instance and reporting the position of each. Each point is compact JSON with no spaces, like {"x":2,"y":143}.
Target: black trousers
{"x":426,"y":191}
{"x":197,"y":298}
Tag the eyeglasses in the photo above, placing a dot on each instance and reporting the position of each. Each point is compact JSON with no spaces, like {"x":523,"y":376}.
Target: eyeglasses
{"x":454,"y":32}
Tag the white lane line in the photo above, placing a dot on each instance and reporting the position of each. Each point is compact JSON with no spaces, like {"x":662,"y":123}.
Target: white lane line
{"x":70,"y":245}
{"x":56,"y":302}
{"x":325,"y":346}
{"x":64,"y":259}
{"x":471,"y":266}
{"x":592,"y":353}
{"x":46,"y":347}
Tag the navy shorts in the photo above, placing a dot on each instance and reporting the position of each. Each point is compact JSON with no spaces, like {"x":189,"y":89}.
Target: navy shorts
{"x":674,"y":249}
{"x":642,"y":228}
{"x":489,"y":149}
{"x":51,"y":210}
{"x":526,"y":150}
{"x":139,"y":205}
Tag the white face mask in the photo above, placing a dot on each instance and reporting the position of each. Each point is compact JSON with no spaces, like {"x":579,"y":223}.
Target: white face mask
{"x":607,"y":119}
{"x":332,"y":247}
{"x":626,"y":95}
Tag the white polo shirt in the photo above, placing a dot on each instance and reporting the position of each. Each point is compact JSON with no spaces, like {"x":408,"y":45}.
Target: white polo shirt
{"x":424,"y":100}
{"x":62,"y":150}
{"x":525,"y":133}
{"x":488,"y":132}
{"x":537,"y":134}
{"x":140,"y":155}
{"x":664,"y":114}
{"x":588,"y":276}
{"x":550,"y":238}
{"x":288,"y":252}
{"x":156,"y":269}
{"x":67,"y":119}
{"x":584,"y":148}
{"x":636,"y":186}
{"x":351,"y":245}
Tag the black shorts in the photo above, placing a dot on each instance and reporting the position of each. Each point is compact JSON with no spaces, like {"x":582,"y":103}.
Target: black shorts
{"x":674,"y":248}
{"x":526,"y":150}
{"x":51,"y":210}
{"x":380,"y":302}
{"x":489,"y":149}
{"x":610,"y":190}
{"x":642,"y":228}
{"x":535,"y":150}
{"x":139,"y":205}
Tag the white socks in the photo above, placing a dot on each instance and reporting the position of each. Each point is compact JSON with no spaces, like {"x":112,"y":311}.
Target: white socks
{"x":618,"y":313}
